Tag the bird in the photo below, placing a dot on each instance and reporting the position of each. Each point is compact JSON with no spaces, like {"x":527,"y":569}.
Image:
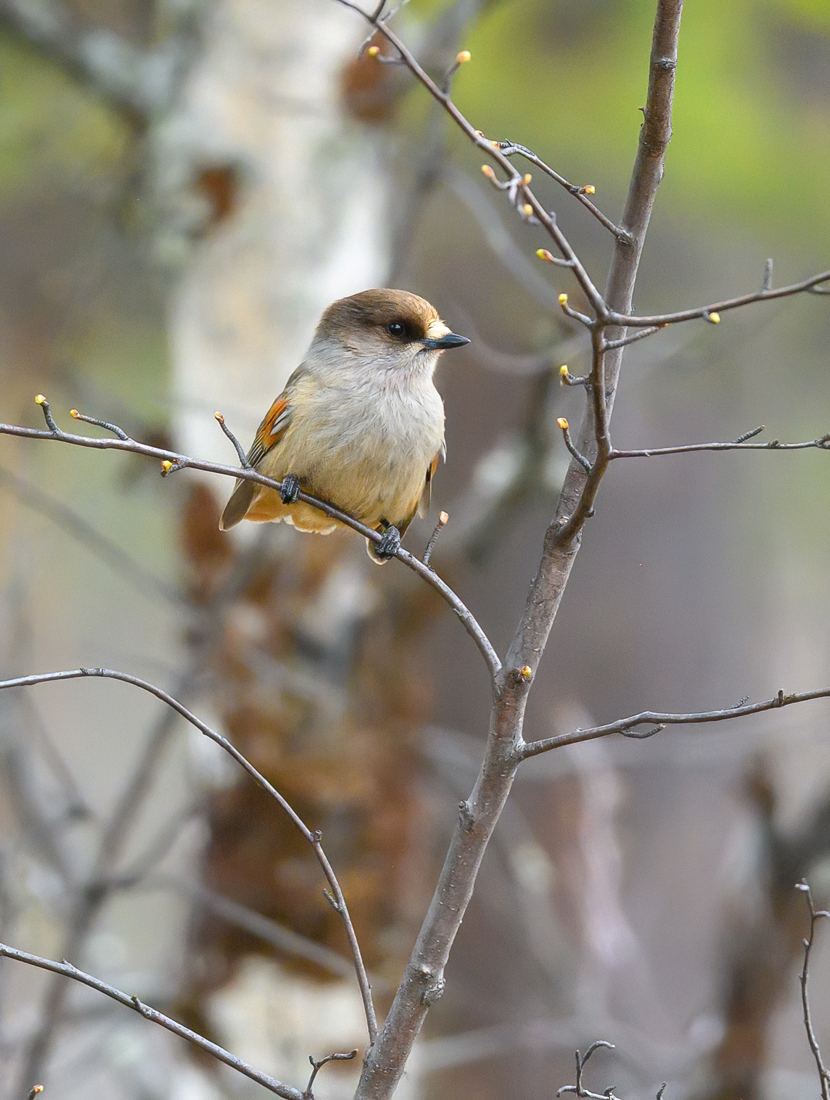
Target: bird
{"x":359,"y":425}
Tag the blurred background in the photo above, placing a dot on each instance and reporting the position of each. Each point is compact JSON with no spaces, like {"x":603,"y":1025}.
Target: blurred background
{"x":184,"y":186}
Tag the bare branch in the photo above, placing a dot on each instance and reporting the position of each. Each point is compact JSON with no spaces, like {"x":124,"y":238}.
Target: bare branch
{"x":815,"y":917}
{"x":581,"y":193}
{"x":741,"y":444}
{"x":313,"y":837}
{"x":627,"y":726}
{"x":581,"y":1060}
{"x":317,"y":1066}
{"x":566,"y":434}
{"x":765,"y":294}
{"x":529,"y":206}
{"x":172,"y":461}
{"x":67,"y":970}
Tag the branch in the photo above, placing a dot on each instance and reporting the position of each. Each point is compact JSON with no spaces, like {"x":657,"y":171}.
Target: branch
{"x":821,"y":444}
{"x":815,"y":916}
{"x":313,"y":837}
{"x":765,"y":294}
{"x":659,"y":719}
{"x":172,"y":462}
{"x":517,"y":184}
{"x":562,"y":539}
{"x":581,"y":1059}
{"x":67,"y":970}
{"x":579,"y":192}
{"x":423,"y":979}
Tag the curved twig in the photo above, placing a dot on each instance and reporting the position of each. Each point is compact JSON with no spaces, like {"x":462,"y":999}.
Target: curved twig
{"x":172,"y":462}
{"x":312,"y":836}
{"x":815,"y":916}
{"x":67,"y":970}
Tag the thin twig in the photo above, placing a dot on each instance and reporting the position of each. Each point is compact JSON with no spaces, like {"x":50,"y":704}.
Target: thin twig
{"x":443,"y":520}
{"x":566,"y":435}
{"x":660,"y":718}
{"x":313,"y":837}
{"x":173,"y":461}
{"x":317,"y":1066}
{"x":815,"y":916}
{"x":765,"y":294}
{"x":92,"y":893}
{"x":530,"y":206}
{"x":240,"y":450}
{"x":741,"y":444}
{"x":67,"y":970}
{"x":581,"y":193}
{"x":579,"y":1089}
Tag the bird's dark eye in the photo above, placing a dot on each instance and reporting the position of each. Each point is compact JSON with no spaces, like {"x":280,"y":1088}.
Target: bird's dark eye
{"x":396,"y":329}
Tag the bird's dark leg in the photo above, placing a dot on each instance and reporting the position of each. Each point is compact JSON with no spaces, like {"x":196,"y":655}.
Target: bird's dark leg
{"x":389,"y":544}
{"x":290,"y":489}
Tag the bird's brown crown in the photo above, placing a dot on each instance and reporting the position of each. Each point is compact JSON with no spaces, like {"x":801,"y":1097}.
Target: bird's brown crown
{"x":399,"y":315}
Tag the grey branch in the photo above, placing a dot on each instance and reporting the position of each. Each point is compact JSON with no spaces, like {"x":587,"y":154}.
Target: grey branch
{"x":67,"y":970}
{"x":311,"y":836}
{"x":659,"y":719}
{"x":172,"y":462}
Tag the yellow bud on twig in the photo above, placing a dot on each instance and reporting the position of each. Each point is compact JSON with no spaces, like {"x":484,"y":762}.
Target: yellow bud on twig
{"x":563,"y":370}
{"x":563,"y":299}
{"x":526,"y":179}
{"x":588,"y":189}
{"x":166,"y":466}
{"x":40,"y":399}
{"x":713,"y":318}
{"x":463,"y":57}
{"x":563,"y":423}
{"x":527,"y":209}
{"x":488,"y":171}
{"x":526,"y":673}
{"x":373,"y":51}
{"x":74,"y":414}
{"x":543,"y":254}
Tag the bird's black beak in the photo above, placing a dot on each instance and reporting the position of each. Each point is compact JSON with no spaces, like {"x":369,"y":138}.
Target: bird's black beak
{"x":451,"y":340}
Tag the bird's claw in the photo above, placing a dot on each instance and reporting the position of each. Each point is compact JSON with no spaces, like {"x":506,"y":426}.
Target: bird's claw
{"x":389,"y":544}
{"x":290,"y":489}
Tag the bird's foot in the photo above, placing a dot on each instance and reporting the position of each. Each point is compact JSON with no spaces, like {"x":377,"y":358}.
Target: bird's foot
{"x":389,"y":544}
{"x":290,"y":489}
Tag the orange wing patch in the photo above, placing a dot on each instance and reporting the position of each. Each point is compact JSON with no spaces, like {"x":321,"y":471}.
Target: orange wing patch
{"x":268,"y":435}
{"x":271,"y":429}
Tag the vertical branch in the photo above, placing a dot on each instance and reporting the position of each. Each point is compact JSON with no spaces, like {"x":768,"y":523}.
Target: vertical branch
{"x":655,"y":135}
{"x":423,"y":980}
{"x":563,"y":536}
{"x":815,"y":916}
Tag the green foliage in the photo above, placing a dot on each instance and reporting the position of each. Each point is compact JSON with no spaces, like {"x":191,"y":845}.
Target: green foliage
{"x":752,"y":106}
{"x":50,"y":125}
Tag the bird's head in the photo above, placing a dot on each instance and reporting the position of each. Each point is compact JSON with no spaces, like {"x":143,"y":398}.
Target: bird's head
{"x":392,"y":329}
